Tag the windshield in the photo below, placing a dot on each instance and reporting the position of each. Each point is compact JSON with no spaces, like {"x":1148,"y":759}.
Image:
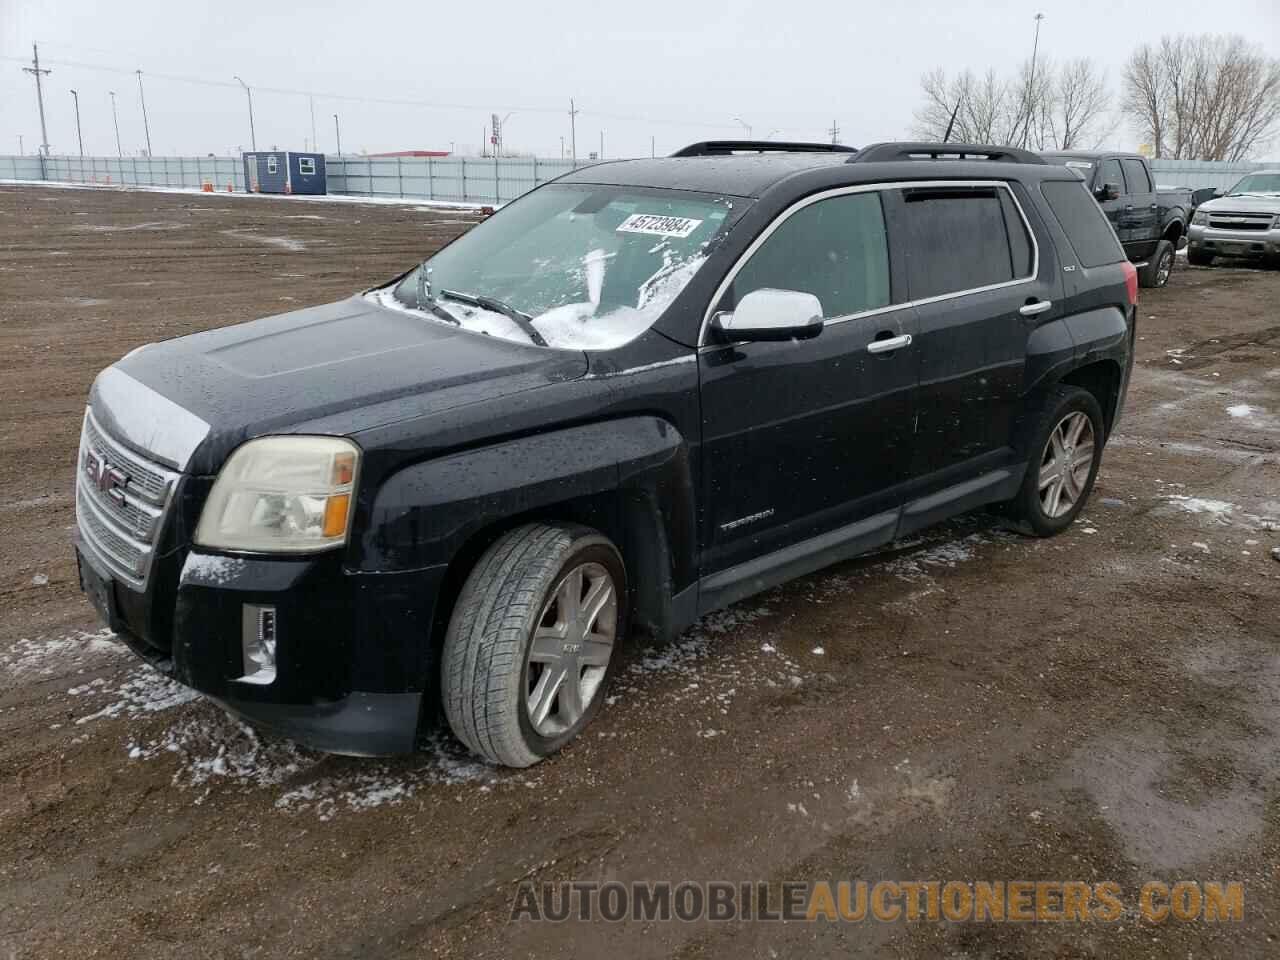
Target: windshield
{"x":588,"y":267}
{"x":1256,"y":183}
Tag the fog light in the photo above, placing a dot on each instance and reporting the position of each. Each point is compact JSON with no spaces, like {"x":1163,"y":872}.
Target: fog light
{"x":258,"y":643}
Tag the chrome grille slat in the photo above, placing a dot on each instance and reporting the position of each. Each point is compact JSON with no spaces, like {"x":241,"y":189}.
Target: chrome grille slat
{"x":120,"y":524}
{"x":150,"y":480}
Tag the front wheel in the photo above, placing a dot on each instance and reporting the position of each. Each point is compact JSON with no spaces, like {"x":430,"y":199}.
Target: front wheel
{"x":1060,"y":476}
{"x":1160,"y":267}
{"x":531,"y":643}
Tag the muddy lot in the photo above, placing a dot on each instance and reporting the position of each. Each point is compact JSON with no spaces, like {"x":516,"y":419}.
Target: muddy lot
{"x":968,"y":706}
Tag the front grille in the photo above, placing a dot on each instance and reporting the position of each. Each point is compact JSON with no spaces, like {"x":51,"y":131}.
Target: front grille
{"x":121,"y":498}
{"x":1241,"y":221}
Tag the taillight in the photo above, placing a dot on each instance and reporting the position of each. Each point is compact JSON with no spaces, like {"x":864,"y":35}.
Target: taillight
{"x":1131,"y":282}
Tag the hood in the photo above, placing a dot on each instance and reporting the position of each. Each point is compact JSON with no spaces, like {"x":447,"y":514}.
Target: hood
{"x":190,"y":401}
{"x":1243,"y":204}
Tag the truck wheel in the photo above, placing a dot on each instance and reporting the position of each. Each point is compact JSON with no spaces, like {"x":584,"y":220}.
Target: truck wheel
{"x":1198,"y":258}
{"x":1067,"y":451}
{"x":531,"y":644}
{"x":1159,"y":268}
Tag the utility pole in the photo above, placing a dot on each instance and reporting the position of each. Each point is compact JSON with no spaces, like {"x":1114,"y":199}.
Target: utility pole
{"x":22,"y":150}
{"x":79,"y":139}
{"x":143,"y":99}
{"x":36,"y":72}
{"x":253,"y":137}
{"x":746,"y":126}
{"x":652,"y":147}
{"x":116,"y":120}
{"x":337,"y":132}
{"x":835,"y":131}
{"x":1031,"y":80}
{"x":601,"y":144}
{"x":315,"y":144}
{"x":562,"y":146}
{"x":573,"y":130}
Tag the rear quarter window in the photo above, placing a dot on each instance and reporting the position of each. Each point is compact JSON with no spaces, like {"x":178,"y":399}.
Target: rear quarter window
{"x":1084,"y":223}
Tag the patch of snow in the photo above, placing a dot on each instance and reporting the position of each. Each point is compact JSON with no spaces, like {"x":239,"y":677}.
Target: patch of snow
{"x":1242,"y":410}
{"x":40,"y":580}
{"x":818,"y":651}
{"x":210,"y":569}
{"x":47,"y":657}
{"x":1219,"y":510}
{"x":285,"y":243}
{"x":145,"y":690}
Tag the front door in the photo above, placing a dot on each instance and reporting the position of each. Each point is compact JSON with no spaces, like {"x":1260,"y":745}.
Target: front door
{"x":803,"y":437}
{"x":1110,"y":175}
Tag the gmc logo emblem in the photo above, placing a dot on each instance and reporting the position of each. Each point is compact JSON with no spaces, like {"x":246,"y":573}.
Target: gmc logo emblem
{"x":108,"y":479}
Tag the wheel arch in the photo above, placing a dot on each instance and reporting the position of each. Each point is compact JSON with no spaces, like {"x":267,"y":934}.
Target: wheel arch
{"x":1103,"y":379}
{"x":1174,"y":232}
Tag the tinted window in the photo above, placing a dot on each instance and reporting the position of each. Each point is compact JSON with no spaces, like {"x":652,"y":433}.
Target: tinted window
{"x":1135,"y":174}
{"x":1110,"y":173}
{"x":956,"y":240}
{"x":1084,"y":222}
{"x":1021,"y":252}
{"x":835,"y":249}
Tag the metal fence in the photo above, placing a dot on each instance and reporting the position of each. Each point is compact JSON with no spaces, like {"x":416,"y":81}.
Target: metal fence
{"x":1202,"y":173}
{"x":458,"y":179}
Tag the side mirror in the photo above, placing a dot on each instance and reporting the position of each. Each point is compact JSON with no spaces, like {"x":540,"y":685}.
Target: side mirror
{"x":1107,"y":192}
{"x":1204,"y":194}
{"x":768,"y":314}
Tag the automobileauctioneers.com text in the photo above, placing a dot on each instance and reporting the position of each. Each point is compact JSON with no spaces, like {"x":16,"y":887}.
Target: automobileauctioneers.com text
{"x":886,"y":901}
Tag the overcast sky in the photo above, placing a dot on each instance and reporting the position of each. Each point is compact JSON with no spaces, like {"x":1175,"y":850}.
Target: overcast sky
{"x":673,"y":70}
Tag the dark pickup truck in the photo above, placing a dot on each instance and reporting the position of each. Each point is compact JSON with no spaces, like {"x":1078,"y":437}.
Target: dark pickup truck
{"x":1150,"y":221}
{"x":635,"y":395}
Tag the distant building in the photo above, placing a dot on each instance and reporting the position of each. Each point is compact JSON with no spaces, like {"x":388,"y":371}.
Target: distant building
{"x":412,"y":153}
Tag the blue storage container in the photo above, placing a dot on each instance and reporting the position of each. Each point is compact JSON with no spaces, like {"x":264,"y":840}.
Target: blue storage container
{"x":282,"y":171}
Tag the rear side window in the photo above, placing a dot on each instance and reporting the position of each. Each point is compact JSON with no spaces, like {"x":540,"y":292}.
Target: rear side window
{"x":957,"y":239}
{"x":835,"y":249}
{"x":1135,"y":174}
{"x":1084,"y":223}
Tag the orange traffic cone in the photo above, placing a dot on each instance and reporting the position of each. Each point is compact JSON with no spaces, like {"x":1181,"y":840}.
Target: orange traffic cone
{"x":207,"y":186}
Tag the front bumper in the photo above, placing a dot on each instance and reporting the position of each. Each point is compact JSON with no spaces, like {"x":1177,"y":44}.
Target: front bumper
{"x":1234,"y":243}
{"x":355,"y":666}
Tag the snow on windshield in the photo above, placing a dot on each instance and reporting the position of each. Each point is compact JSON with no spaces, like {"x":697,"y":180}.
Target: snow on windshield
{"x":591,"y":267}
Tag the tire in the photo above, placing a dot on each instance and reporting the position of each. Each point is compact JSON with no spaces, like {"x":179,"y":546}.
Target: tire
{"x":1198,"y":258}
{"x":491,"y":670}
{"x":1159,"y":268}
{"x":1029,"y":511}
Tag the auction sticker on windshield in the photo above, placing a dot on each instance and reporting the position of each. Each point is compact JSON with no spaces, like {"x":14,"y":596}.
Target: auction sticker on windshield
{"x":659,"y":226}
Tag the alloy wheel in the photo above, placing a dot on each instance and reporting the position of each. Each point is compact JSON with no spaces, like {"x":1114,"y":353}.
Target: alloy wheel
{"x":1164,"y":268}
{"x":1065,"y":464}
{"x":571,"y":648}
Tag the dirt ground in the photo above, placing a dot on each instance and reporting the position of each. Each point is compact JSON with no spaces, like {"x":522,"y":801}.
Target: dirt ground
{"x":968,"y":706}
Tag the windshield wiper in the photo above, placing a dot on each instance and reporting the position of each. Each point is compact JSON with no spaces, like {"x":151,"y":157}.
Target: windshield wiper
{"x":521,"y":320}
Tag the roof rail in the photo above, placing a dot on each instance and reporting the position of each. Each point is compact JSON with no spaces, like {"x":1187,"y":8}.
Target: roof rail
{"x":922,"y":150}
{"x":724,"y":148}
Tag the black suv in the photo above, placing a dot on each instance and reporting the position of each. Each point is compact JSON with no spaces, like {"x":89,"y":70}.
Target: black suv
{"x":635,"y":395}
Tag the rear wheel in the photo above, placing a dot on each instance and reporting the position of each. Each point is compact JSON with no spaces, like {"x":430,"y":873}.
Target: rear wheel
{"x":1198,"y":258}
{"x":1060,"y":476}
{"x":530,"y":646}
{"x":1159,"y":268}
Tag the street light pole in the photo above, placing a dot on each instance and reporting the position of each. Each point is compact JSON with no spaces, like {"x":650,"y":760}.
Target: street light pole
{"x":1031,"y":80}
{"x":573,"y":132}
{"x":145,"y":126}
{"x":337,"y":132}
{"x":745,"y":125}
{"x":79,"y":139}
{"x":116,"y":120}
{"x":253,"y":137}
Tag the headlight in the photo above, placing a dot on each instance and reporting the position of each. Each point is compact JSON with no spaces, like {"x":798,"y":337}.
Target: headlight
{"x":282,"y":495}
{"x":1201,"y":218}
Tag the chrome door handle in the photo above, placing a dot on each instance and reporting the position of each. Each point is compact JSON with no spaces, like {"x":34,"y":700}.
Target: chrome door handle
{"x":1035,"y":309}
{"x":893,"y":343}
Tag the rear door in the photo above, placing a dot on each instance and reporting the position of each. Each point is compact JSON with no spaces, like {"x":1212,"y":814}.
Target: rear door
{"x":1140,"y":208}
{"x":803,"y":437}
{"x":980,"y":286}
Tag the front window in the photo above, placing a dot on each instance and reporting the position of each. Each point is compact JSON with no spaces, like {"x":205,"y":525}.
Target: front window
{"x":1256,"y":183}
{"x":575,"y":266}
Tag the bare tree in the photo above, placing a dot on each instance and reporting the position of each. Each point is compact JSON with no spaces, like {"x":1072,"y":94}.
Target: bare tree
{"x":1059,"y":108}
{"x":1203,"y":97}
